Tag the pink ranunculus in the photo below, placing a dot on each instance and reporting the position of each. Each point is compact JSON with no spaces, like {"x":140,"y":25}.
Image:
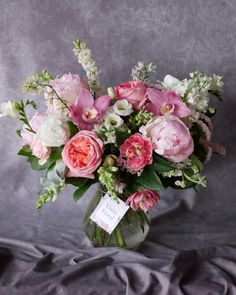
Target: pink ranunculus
{"x":136,"y":153}
{"x":87,"y":112}
{"x":171,"y":137}
{"x":39,"y":150}
{"x":69,"y":86}
{"x":166,"y":102}
{"x":144,"y":199}
{"x":133,"y":91}
{"x":82,"y":154}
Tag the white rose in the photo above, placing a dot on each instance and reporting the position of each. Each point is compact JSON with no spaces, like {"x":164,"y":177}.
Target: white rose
{"x":8,"y":109}
{"x":53,"y":131}
{"x":113,"y":120}
{"x":122,"y":107}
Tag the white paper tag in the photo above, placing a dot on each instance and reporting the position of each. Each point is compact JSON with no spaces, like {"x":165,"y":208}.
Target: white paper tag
{"x":108,"y":213}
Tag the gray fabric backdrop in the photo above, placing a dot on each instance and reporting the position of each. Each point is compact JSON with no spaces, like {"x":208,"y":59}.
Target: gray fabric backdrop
{"x":179,"y":37}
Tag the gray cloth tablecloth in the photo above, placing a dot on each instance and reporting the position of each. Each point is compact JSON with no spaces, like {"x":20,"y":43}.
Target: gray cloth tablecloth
{"x":191,"y":248}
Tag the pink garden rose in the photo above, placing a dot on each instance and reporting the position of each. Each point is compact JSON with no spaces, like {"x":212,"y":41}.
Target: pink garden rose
{"x":171,"y":137}
{"x":82,"y":154}
{"x":87,"y":111}
{"x":136,"y":153}
{"x":69,"y":86}
{"x":133,"y":91}
{"x":144,"y":200}
{"x":166,"y":102}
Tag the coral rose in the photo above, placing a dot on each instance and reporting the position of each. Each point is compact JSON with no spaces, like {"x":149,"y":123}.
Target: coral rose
{"x":82,"y":154}
{"x":144,"y":200}
{"x":136,"y":153}
{"x":171,"y":137}
{"x":133,"y":91}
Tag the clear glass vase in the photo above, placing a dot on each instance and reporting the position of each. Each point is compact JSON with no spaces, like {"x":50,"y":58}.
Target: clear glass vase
{"x":131,"y":231}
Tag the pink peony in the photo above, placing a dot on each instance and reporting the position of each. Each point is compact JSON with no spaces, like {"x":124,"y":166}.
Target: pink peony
{"x":166,"y":102}
{"x":136,"y":153}
{"x":82,"y":154}
{"x":87,"y":112}
{"x":144,"y":200}
{"x":69,"y":86}
{"x":133,"y":91}
{"x":171,"y":137}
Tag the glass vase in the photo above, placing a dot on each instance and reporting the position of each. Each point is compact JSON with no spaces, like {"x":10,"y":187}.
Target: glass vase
{"x":131,"y":231}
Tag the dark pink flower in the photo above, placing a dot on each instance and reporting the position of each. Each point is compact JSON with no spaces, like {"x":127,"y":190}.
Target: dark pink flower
{"x":144,"y":200}
{"x":133,"y":91}
{"x":87,"y":111}
{"x":166,"y":102}
{"x":136,"y":153}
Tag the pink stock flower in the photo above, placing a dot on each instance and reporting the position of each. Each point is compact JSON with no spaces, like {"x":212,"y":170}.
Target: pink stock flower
{"x":133,"y":91}
{"x":87,"y":112}
{"x":69,"y":86}
{"x":38,"y":149}
{"x":144,"y":200}
{"x":136,"y":153}
{"x":166,"y":102}
{"x":171,"y":137}
{"x":82,"y":154}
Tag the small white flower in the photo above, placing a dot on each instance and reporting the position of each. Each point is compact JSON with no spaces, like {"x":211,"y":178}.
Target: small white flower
{"x":8,"y":109}
{"x":113,"y":120}
{"x":53,"y":131}
{"x":122,"y":107}
{"x":172,"y":83}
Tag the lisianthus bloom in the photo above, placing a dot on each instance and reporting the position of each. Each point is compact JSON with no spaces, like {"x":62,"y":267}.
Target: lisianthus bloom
{"x":38,"y":148}
{"x":122,"y":107}
{"x":171,"y":137}
{"x":68,"y":87}
{"x":166,"y":102}
{"x":133,"y":91}
{"x":82,"y":154}
{"x":144,"y":200}
{"x":87,"y":112}
{"x":8,"y":109}
{"x":136,"y":153}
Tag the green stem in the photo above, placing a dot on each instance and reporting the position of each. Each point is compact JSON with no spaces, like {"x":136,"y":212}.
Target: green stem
{"x":120,"y":237}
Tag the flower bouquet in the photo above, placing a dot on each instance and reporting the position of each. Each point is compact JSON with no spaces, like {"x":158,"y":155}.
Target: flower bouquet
{"x":134,"y":140}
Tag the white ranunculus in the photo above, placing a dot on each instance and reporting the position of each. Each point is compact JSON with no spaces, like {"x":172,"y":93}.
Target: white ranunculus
{"x":54,"y":131}
{"x":8,"y":109}
{"x":113,"y":120}
{"x":122,"y":107}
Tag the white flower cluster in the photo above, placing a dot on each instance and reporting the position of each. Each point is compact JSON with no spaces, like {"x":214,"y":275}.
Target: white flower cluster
{"x":195,"y":91}
{"x":142,"y":71}
{"x":8,"y":109}
{"x":83,"y":53}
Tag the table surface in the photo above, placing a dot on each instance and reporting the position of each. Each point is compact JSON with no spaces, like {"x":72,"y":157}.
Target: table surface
{"x":191,"y":245}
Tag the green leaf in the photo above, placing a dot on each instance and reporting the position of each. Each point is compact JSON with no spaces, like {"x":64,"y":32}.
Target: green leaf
{"x":196,"y":162}
{"x":73,"y":129}
{"x":161,"y":165}
{"x":150,"y":180}
{"x":76,"y":181}
{"x":81,"y":190}
{"x":25,"y":151}
{"x":121,"y":136}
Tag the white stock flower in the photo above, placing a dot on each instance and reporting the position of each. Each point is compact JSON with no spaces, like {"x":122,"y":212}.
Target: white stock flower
{"x":113,"y":120}
{"x":8,"y":109}
{"x":53,"y":131}
{"x":122,"y":107}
